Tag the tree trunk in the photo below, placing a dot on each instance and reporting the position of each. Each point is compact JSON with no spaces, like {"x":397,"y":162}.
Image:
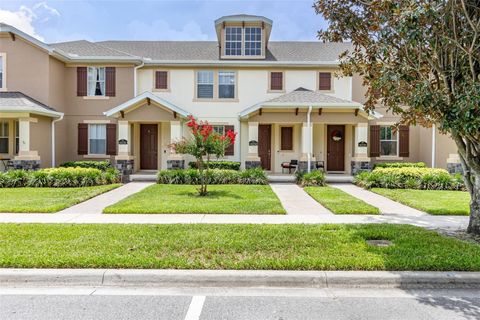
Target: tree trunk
{"x":474,"y":224}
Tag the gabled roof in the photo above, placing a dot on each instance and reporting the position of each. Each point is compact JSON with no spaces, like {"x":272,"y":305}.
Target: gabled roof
{"x":242,"y":18}
{"x":145,"y":96}
{"x":15,"y":101}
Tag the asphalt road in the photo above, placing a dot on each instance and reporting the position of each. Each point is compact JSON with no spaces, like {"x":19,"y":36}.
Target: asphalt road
{"x":236,"y":303}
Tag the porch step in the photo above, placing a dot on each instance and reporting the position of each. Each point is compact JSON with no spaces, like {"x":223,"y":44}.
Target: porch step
{"x":338,"y":178}
{"x":283,"y":178}
{"x":144,"y":176}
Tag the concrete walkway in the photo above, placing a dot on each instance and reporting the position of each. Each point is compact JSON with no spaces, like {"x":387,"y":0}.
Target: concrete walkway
{"x":98,"y":203}
{"x":296,"y":201}
{"x":386,"y":206}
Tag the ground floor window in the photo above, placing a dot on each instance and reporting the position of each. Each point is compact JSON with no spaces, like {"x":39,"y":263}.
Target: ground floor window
{"x":388,"y":141}
{"x":219,"y":129}
{"x":97,"y":139}
{"x":17,"y":137}
{"x":3,"y":136}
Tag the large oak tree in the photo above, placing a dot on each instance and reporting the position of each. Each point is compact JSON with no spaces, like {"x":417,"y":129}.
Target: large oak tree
{"x":420,"y":59}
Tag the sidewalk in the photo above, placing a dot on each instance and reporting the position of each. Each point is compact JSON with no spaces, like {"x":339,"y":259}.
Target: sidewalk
{"x":296,"y":201}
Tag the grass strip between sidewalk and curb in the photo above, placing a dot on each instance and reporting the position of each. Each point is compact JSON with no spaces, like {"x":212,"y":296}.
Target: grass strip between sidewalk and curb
{"x":240,"y":247}
{"x":436,"y":202}
{"x":221,"y":199}
{"x":47,"y":200}
{"x":340,"y":202}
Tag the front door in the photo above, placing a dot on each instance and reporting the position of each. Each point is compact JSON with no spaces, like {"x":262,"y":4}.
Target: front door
{"x":264,"y":145}
{"x":336,"y":148}
{"x":148,"y":146}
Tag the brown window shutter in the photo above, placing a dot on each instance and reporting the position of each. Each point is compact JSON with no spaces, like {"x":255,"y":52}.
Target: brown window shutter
{"x":324,"y":81}
{"x":110,"y":81}
{"x":111,"y":139}
{"x":161,"y":80}
{"x":404,"y":138}
{"x":375,"y":141}
{"x":287,"y":138}
{"x":276,"y":80}
{"x":82,"y":147}
{"x":229,"y":151}
{"x":81,"y":81}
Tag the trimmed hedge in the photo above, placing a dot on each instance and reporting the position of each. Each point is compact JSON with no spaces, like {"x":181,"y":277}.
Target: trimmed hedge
{"x":58,"y":178}
{"x":399,"y":165}
{"x":222,"y":165}
{"x":314,"y":178}
{"x":215,"y":176}
{"x":100,"y":165}
{"x":410,"y":178}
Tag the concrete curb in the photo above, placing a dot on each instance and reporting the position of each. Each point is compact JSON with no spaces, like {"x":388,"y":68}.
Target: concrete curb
{"x":238,"y":278}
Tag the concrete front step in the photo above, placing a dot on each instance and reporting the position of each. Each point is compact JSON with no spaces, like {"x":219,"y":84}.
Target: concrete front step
{"x":290,"y":178}
{"x":144,"y":176}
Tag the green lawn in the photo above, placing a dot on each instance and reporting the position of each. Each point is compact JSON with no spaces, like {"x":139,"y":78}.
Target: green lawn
{"x":46,"y":199}
{"x":437,"y":202}
{"x":163,"y":198}
{"x":340,"y":202}
{"x":202,"y":246}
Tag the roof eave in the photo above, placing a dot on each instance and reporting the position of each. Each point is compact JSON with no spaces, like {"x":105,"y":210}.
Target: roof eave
{"x":243,"y":63}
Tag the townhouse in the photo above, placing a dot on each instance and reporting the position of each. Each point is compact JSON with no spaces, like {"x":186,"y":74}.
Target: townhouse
{"x":126,"y":101}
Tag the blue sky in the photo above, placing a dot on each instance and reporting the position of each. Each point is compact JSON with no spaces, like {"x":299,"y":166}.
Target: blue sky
{"x":56,"y":21}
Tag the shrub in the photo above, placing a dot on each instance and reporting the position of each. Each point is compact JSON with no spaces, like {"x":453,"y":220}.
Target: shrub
{"x":58,"y":178}
{"x":411,"y":178}
{"x":314,"y":178}
{"x":223,"y":165}
{"x":100,"y":165}
{"x":399,"y":165}
{"x":214,"y":176}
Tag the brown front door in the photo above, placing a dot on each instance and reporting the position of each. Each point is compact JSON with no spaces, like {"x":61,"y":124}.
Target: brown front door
{"x":264,"y":145}
{"x":148,"y":146}
{"x":336,"y":148}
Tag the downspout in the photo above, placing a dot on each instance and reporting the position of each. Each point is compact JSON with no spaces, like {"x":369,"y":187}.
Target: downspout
{"x":434,"y":138}
{"x":135,"y":78}
{"x":309,"y":126}
{"x":53,"y":139}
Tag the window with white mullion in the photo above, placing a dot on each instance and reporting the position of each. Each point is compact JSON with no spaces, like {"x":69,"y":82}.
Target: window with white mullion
{"x":226,"y":84}
{"x":253,"y":41}
{"x":219,"y":129}
{"x":233,"y":41}
{"x":97,"y":138}
{"x":4,"y":136}
{"x":388,"y":141}
{"x":205,"y":84}
{"x":96,"y":81}
{"x":2,"y":72}
{"x":17,"y":137}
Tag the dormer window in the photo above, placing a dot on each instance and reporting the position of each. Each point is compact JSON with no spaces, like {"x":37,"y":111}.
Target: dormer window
{"x":233,"y":41}
{"x":253,"y":41}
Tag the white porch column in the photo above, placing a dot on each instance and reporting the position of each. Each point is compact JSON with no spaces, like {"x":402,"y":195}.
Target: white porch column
{"x":174,"y":160}
{"x":124,"y":143}
{"x":175,"y":131}
{"x":24,"y":152}
{"x":360,"y":160}
{"x":252,"y":160}
{"x":307,"y":141}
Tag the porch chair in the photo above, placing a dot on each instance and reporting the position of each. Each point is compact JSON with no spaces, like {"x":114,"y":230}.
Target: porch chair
{"x":293,"y":164}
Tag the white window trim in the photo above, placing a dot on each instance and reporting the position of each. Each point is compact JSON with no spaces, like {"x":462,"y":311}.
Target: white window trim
{"x":104,"y":83}
{"x":231,"y":73}
{"x":242,"y":43}
{"x":3,"y":55}
{"x":397,"y":140}
{"x":7,"y":136}
{"x":97,"y":155}
{"x":244,"y":47}
{"x":216,"y":85}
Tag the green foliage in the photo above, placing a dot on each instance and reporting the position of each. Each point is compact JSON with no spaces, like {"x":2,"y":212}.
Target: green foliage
{"x":214,"y":176}
{"x":224,"y":165}
{"x":409,"y":178}
{"x":314,"y":178}
{"x":100,"y":165}
{"x":58,"y":178}
{"x":399,"y":165}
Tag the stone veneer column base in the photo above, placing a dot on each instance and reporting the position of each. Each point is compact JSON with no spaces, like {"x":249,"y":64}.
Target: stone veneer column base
{"x":303,"y":166}
{"x":175,"y":164}
{"x":454,"y":168}
{"x":126,"y":169}
{"x":359,"y":166}
{"x":26,"y":164}
{"x":249,"y":164}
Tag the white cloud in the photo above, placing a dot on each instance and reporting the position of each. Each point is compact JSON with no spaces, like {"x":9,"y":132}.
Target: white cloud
{"x":24,"y":18}
{"x":161,"y":30}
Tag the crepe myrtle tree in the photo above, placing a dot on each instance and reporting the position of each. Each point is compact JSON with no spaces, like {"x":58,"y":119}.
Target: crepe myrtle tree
{"x":204,"y":144}
{"x":421,"y":60}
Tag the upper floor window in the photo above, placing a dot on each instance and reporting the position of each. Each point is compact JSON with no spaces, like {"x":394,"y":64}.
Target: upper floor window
{"x":3,"y":136}
{"x":325,"y":81}
{"x":233,"y":41}
{"x":253,"y":41}
{"x":96,"y":81}
{"x":205,"y":84}
{"x":161,"y":80}
{"x":388,"y":141}
{"x":97,"y":138}
{"x":226,"y":85}
{"x":276,"y":81}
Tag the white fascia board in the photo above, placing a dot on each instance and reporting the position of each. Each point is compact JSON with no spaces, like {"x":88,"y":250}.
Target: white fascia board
{"x":242,"y":63}
{"x":49,"y":113}
{"x":27,"y":37}
{"x":143,"y":96}
{"x":246,"y":18}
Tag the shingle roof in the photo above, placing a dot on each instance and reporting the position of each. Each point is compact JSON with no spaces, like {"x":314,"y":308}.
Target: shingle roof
{"x":15,"y":101}
{"x":302,"y":95}
{"x":281,"y":51}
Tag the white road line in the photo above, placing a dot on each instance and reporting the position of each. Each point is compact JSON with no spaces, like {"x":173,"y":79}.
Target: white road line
{"x":195,"y":308}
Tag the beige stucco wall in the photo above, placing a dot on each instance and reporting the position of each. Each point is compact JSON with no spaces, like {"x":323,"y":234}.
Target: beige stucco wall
{"x":41,"y":139}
